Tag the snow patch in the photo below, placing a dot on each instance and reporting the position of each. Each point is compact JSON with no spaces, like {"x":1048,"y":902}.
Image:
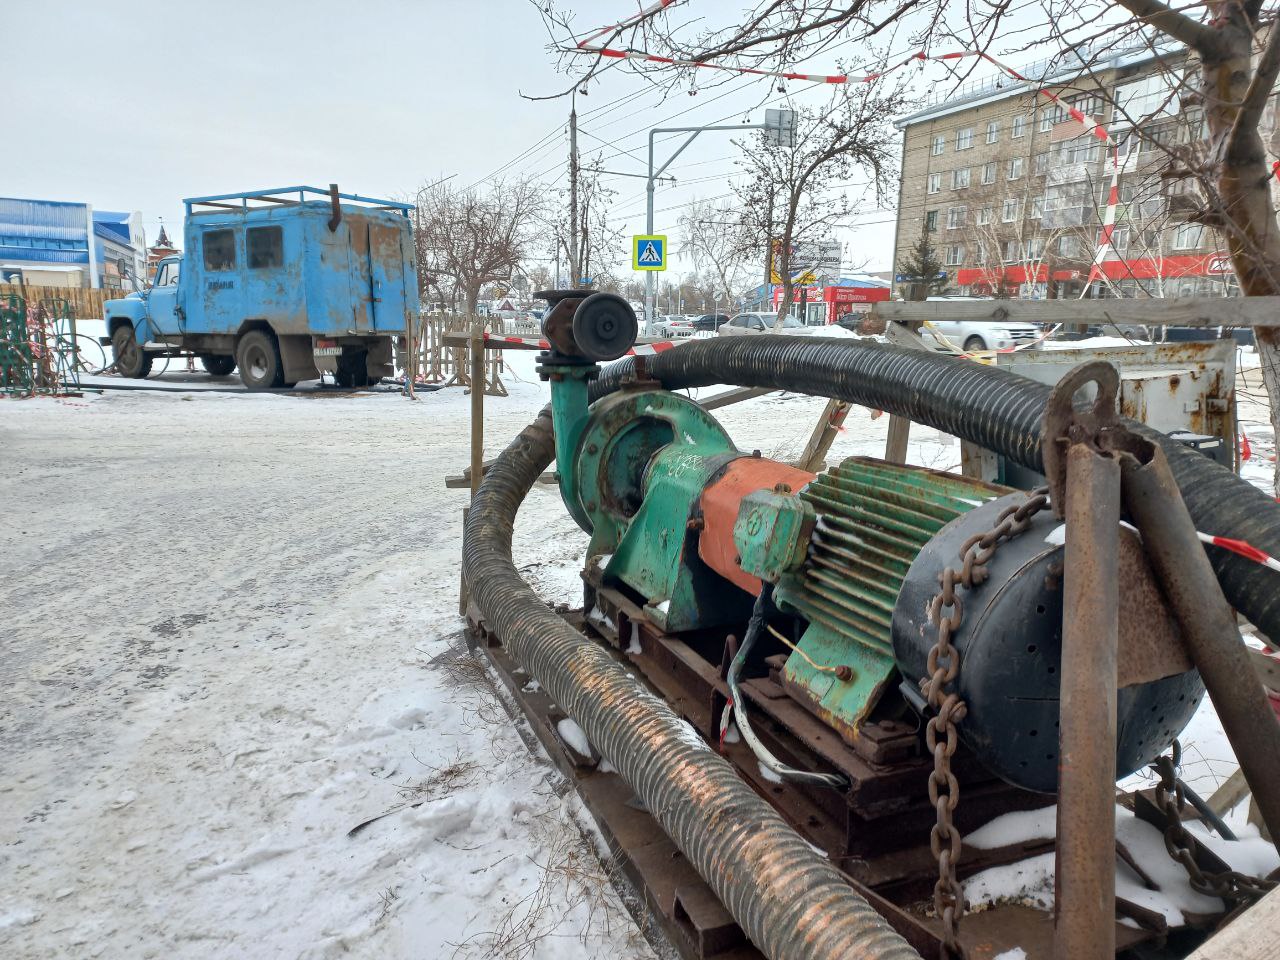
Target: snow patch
{"x":633,"y":646}
{"x":1021,"y":826}
{"x":573,"y":737}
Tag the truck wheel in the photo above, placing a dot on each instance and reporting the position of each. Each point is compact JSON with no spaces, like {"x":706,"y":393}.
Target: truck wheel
{"x":974,"y":344}
{"x":258,"y":357}
{"x":217,"y":364}
{"x":130,"y":359}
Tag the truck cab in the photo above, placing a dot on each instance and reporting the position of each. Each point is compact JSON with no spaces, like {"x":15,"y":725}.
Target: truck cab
{"x":283,"y":284}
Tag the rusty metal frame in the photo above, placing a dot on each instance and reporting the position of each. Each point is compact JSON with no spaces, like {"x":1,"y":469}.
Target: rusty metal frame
{"x":882,"y":829}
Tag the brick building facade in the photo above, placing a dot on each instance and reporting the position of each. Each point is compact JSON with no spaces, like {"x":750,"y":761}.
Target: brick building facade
{"x":1012,"y":191}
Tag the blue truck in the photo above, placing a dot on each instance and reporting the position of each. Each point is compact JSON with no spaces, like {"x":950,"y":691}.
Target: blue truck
{"x":283,"y":284}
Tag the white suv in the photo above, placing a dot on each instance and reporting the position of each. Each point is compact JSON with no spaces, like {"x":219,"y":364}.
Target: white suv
{"x":972,"y":336}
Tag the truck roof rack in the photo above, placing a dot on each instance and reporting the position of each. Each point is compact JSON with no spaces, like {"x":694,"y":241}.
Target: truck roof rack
{"x":285,"y":196}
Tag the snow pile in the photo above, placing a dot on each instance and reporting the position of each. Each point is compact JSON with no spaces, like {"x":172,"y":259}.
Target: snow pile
{"x":574,"y":738}
{"x":1030,"y":881}
{"x":267,"y":739}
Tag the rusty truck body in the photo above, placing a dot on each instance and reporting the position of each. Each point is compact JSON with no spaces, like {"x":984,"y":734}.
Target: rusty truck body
{"x":283,"y":284}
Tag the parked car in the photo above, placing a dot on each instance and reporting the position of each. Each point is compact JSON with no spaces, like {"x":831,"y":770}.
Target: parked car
{"x":711,"y":321}
{"x":675,"y":325}
{"x":760,"y":322}
{"x":971,"y":335}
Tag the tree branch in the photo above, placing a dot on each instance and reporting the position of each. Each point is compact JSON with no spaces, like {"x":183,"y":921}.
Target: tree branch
{"x":1194,"y":34}
{"x":1264,"y":80}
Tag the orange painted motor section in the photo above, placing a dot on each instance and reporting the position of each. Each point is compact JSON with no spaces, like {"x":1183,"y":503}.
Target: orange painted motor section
{"x":720,"y":502}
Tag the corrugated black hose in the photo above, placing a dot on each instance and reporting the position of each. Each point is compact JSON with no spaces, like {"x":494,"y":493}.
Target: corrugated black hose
{"x":788,"y":899}
{"x":988,"y":406}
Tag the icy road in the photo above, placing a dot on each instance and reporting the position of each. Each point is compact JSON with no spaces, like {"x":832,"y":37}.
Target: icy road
{"x":230,"y":637}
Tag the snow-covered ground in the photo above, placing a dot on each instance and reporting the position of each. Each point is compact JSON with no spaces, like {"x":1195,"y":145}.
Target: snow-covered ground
{"x":231,"y":638}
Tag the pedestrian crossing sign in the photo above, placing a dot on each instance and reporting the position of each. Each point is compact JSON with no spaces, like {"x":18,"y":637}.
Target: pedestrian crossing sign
{"x":649,"y":252}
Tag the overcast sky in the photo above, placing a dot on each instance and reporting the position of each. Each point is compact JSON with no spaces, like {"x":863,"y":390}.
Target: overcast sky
{"x":133,"y":107}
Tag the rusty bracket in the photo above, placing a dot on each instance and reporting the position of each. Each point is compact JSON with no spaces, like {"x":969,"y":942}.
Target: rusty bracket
{"x":1098,"y":426}
{"x":335,"y":208}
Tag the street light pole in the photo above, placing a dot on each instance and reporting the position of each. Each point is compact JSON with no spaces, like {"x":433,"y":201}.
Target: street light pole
{"x":650,"y":281}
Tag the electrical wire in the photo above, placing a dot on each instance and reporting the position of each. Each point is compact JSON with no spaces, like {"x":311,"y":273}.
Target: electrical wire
{"x":737,"y":706}
{"x":804,"y":656}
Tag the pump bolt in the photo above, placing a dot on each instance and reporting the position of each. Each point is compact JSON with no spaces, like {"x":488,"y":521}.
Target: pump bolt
{"x":591,"y":506}
{"x":695,"y":523}
{"x":756,"y":454}
{"x":844,"y":672}
{"x":782,"y":488}
{"x":592,"y":448}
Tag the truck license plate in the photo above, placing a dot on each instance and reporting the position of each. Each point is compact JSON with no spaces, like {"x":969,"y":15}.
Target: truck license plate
{"x":328,"y":351}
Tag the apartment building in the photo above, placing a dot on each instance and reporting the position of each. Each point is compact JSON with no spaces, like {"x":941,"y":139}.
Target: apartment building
{"x":1013,"y":192}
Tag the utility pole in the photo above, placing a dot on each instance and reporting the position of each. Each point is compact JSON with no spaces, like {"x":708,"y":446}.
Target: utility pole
{"x":575,"y":274}
{"x":779,"y":123}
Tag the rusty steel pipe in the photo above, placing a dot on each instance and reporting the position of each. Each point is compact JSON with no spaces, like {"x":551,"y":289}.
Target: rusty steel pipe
{"x":1208,"y":626}
{"x":1085,"y":879}
{"x":788,"y":899}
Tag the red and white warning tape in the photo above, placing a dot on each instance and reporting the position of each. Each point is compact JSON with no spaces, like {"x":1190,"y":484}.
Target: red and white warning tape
{"x":641,"y":15}
{"x":639,"y":350}
{"x":1247,"y":550}
{"x":1093,"y":126}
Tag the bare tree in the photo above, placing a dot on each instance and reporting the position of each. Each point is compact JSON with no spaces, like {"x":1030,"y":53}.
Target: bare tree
{"x":599,"y":242}
{"x":714,"y":245}
{"x":1228,"y":57}
{"x":794,"y":195}
{"x":469,"y":238}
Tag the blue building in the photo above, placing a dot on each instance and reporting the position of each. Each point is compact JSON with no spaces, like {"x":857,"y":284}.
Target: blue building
{"x":53,"y":243}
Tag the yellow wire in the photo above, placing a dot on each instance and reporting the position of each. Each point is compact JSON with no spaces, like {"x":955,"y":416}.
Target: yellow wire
{"x":807,"y":658}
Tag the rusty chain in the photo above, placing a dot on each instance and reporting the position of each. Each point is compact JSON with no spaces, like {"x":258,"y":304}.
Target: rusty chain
{"x":949,"y":709}
{"x":1229,"y":885}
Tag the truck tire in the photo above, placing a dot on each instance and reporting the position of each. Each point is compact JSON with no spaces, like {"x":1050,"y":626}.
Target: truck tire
{"x":217,"y":364}
{"x":130,"y":360}
{"x":974,"y":343}
{"x":258,"y":357}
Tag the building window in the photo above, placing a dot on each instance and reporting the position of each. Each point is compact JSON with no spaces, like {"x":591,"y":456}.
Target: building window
{"x":1010,"y":211}
{"x":931,"y":220}
{"x":219,"y":250}
{"x":264,"y":247}
{"x":1128,"y":142}
{"x":1019,"y":127}
{"x":939,"y":144}
{"x":984,"y":216}
{"x":1011,"y":251}
{"x":955,"y":217}
{"x":1040,"y":164}
{"x":989,"y":172}
{"x":1037,"y":208}
{"x":1034,"y":248}
{"x":1119,"y":239}
{"x":1068,"y":246}
{"x":1187,"y":236}
{"x":1087,"y":103}
{"x":993,"y":131}
{"x":955,"y":254}
{"x":960,"y":178}
{"x":964,"y":138}
{"x":935,"y":182}
{"x":1015,"y":169}
{"x":1046,"y":119}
